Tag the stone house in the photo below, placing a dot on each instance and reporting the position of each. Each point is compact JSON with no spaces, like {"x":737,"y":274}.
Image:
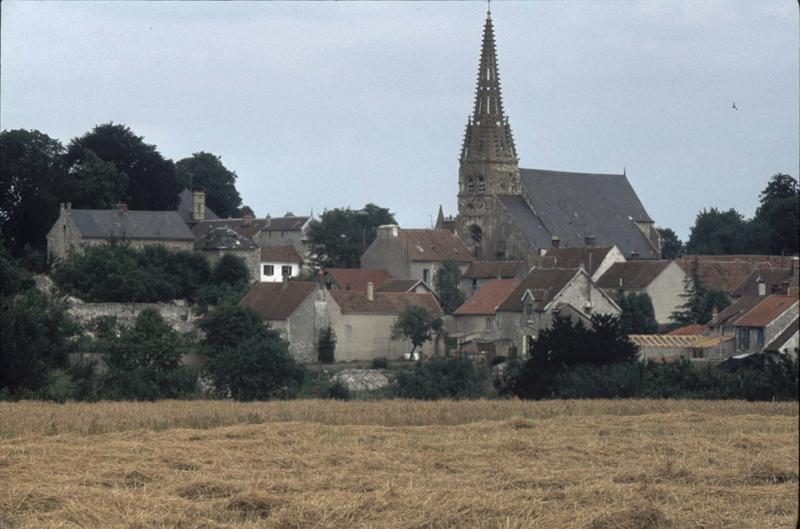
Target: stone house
{"x":279,"y":231}
{"x":192,"y":207}
{"x":543,"y":294}
{"x":759,"y":327}
{"x":298,"y":309}
{"x":353,"y":278}
{"x":596,"y":260}
{"x":76,"y":228}
{"x":474,"y":324}
{"x":279,"y":262}
{"x":222,"y":240}
{"x":415,"y":254}
{"x":479,"y":273}
{"x":364,"y":320}
{"x":663,"y":281}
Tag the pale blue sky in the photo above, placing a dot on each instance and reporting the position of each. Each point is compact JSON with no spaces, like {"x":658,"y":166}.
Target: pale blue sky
{"x":319,"y":105}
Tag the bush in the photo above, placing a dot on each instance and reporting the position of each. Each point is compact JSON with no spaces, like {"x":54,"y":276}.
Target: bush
{"x":455,"y":378}
{"x":326,"y":348}
{"x":338,"y":391}
{"x":380,"y":363}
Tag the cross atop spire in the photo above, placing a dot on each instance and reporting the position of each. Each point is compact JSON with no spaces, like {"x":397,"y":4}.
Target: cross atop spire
{"x":488,"y":133}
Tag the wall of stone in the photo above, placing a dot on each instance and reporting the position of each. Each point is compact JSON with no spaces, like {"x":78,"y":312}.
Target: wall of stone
{"x":178,"y":316}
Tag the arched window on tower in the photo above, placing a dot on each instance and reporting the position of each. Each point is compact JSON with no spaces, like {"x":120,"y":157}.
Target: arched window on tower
{"x":476,"y":233}
{"x":481,"y":185}
{"x":470,"y":185}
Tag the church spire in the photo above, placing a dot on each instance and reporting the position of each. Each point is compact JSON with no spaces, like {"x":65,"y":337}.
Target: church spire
{"x":488,"y":134}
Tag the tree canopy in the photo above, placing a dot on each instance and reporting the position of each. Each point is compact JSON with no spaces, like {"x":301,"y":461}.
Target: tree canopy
{"x":671,"y":245}
{"x":699,"y":300}
{"x":638,"y":315}
{"x":776,"y":225}
{"x":448,"y":280}
{"x":718,"y":232}
{"x":418,"y":325}
{"x":341,"y":236}
{"x":203,"y":171}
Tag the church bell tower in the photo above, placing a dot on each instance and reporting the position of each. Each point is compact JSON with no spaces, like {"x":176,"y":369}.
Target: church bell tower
{"x":488,"y":165}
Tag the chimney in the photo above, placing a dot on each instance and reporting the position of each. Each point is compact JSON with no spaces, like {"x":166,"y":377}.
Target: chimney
{"x":388,"y":231}
{"x":123,"y":208}
{"x":589,"y":240}
{"x":247,"y":219}
{"x":555,"y":242}
{"x":370,"y":292}
{"x":762,"y":286}
{"x":714,"y":312}
{"x":198,"y":205}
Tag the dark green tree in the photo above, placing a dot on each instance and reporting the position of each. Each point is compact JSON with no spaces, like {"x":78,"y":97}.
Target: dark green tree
{"x":777,"y":219}
{"x":638,"y":315}
{"x":152,"y":184}
{"x":326,"y":345}
{"x":719,"y":232}
{"x":699,"y":301}
{"x":93,"y":183}
{"x":31,"y":175}
{"x":231,"y":270}
{"x":671,"y":245}
{"x":417,"y":324}
{"x":443,"y":378}
{"x":205,"y":171}
{"x":448,"y":280}
{"x":341,"y":236}
{"x":245,"y":358}
{"x":144,"y":362}
{"x":14,"y":278}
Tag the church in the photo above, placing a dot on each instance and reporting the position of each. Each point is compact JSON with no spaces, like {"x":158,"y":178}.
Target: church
{"x":508,"y":212}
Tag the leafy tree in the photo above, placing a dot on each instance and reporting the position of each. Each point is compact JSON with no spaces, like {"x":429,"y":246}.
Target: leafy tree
{"x":638,"y":315}
{"x":699,"y":300}
{"x":777,"y":219}
{"x":417,"y":324}
{"x":152,"y":184}
{"x":205,"y":171}
{"x":144,"y":363}
{"x":671,"y":245}
{"x":326,"y":346}
{"x":34,"y":338}
{"x":719,"y":232}
{"x":93,"y":183}
{"x":341,"y":236}
{"x":31,"y":172}
{"x":565,"y":344}
{"x":13,"y":277}
{"x":443,"y":378}
{"x":245,"y":358}
{"x":231,"y":270}
{"x":447,"y":286}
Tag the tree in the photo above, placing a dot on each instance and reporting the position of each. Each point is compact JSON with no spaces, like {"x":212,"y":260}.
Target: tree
{"x":93,"y":183}
{"x":777,"y":219}
{"x":417,"y":324}
{"x":341,"y":236}
{"x":442,"y":378}
{"x":447,"y":286}
{"x":205,"y":171}
{"x":144,"y":362}
{"x":13,"y":277}
{"x":326,"y":346}
{"x":231,"y":270}
{"x":638,"y":315}
{"x":245,"y":358}
{"x":152,"y":184}
{"x":700,"y":301}
{"x":671,"y":245}
{"x":719,"y":232}
{"x":31,"y":172}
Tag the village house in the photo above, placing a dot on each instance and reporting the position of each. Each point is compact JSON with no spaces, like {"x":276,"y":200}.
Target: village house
{"x":415,"y":286}
{"x":223,"y":240}
{"x":728,"y":272}
{"x":479,"y":273}
{"x":279,"y":262}
{"x":543,"y":294}
{"x":761,"y":325}
{"x":415,"y":254}
{"x":298,"y":309}
{"x":663,"y":281}
{"x":595,"y":260}
{"x":775,"y":280}
{"x":364,"y":321}
{"x":192,"y":207}
{"x":279,"y":231}
{"x":474,"y":325}
{"x":353,"y":278}
{"x":76,"y":228}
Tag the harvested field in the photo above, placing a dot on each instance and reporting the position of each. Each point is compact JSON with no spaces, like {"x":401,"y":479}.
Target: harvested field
{"x":504,"y":464}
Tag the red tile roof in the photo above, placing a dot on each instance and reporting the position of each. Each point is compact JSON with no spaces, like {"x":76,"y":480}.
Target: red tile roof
{"x":727,"y":272}
{"x":487,"y":298}
{"x":766,"y":311}
{"x":357,"y":278}
{"x":433,"y":245}
{"x":280,"y":254}
{"x":383,"y":303}
{"x":277,"y":301}
{"x":492,"y":269}
{"x":694,"y":329}
{"x":544,"y":284}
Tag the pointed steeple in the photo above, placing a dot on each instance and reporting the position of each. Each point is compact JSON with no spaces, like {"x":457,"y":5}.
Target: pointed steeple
{"x":488,"y":133}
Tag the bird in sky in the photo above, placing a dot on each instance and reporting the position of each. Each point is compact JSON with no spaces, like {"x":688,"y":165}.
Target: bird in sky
{"x":734,"y":106}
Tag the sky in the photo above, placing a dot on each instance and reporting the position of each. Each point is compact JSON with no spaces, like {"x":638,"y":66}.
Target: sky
{"x":332,"y":104}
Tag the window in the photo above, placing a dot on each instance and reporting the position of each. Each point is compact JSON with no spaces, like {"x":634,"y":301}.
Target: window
{"x":760,"y":337}
{"x":426,"y":275}
{"x":474,"y":283}
{"x":481,"y":185}
{"x":269,"y":270}
{"x":286,"y":270}
{"x":529,"y":311}
{"x":744,"y":339}
{"x":488,"y":324}
{"x":476,"y":233}
{"x":470,"y":185}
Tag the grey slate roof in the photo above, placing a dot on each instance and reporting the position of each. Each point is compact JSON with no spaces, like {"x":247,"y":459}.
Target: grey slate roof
{"x":186,"y":207}
{"x":576,"y":205}
{"x":112,"y":223}
{"x":223,"y":238}
{"x":255,"y":226}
